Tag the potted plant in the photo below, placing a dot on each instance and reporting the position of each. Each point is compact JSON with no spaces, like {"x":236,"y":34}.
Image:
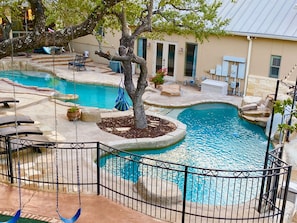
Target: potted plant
{"x":73,"y":113}
{"x":159,"y":77}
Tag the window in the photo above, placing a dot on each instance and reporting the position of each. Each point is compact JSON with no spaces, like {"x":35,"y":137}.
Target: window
{"x":141,"y":47}
{"x":274,"y":66}
{"x":171,"y":60}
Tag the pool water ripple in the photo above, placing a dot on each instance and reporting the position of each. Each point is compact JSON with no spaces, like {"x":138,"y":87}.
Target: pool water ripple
{"x":216,"y":139}
{"x":90,"y":95}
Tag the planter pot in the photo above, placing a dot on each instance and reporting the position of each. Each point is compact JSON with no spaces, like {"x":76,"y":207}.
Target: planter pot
{"x":73,"y":115}
{"x":157,"y":85}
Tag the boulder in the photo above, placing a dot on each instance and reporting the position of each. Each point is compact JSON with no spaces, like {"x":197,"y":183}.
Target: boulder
{"x":170,"y":90}
{"x":249,"y":107}
{"x":158,"y":191}
{"x":90,"y":115}
{"x":251,"y":100}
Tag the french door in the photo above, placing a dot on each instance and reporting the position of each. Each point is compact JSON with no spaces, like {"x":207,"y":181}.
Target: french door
{"x":165,"y":58}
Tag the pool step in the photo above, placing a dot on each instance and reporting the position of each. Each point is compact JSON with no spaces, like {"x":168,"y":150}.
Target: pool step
{"x":261,"y":121}
{"x":63,"y":60}
{"x":257,"y":113}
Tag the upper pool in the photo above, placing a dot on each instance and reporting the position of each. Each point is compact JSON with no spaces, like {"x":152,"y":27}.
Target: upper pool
{"x":90,"y":95}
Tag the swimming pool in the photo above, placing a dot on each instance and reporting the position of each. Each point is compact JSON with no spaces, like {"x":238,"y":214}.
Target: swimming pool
{"x":90,"y":95}
{"x":216,"y":139}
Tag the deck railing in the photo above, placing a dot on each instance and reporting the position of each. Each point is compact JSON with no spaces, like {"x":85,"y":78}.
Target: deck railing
{"x":164,"y":190}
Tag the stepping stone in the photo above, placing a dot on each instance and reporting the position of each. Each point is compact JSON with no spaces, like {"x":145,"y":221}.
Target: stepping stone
{"x":158,"y":191}
{"x":123,"y":129}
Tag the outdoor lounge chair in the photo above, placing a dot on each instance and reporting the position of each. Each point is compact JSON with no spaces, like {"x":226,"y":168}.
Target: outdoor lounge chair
{"x":29,"y":137}
{"x":6,"y":100}
{"x":72,"y":62}
{"x":21,"y":130}
{"x":26,"y":142}
{"x":78,"y":63}
{"x":19,"y":119}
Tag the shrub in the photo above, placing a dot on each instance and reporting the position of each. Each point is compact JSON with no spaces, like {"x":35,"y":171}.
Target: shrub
{"x":159,"y":77}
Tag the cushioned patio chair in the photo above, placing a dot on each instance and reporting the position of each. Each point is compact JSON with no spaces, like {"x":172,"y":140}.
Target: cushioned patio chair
{"x":28,"y":137}
{"x":19,"y":130}
{"x":78,"y":63}
{"x":19,"y":119}
{"x":30,"y":141}
{"x":6,"y":100}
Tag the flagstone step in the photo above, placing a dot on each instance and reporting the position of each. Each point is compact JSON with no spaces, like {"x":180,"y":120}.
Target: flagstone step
{"x":261,"y":121}
{"x":257,"y":113}
{"x":62,"y":60}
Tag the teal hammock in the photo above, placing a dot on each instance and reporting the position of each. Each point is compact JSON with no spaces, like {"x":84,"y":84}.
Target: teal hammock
{"x":121,"y":102}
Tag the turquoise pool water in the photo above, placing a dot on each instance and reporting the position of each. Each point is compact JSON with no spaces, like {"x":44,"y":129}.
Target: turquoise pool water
{"x":88,"y":94}
{"x":216,"y":139}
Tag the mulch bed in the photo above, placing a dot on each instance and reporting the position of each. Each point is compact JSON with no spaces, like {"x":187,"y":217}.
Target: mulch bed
{"x":124,"y":127}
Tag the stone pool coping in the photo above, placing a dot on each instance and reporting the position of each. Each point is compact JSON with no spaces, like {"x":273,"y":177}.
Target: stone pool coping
{"x":153,"y":143}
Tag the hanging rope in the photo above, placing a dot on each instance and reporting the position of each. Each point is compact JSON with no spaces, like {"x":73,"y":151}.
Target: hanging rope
{"x":287,"y":77}
{"x":17,"y":215}
{"x":75,"y":217}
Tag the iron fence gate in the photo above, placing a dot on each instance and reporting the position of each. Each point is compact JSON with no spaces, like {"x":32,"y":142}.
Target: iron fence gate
{"x":164,"y":190}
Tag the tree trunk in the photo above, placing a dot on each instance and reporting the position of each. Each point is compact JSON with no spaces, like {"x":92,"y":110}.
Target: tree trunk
{"x":126,"y":50}
{"x":139,"y":114}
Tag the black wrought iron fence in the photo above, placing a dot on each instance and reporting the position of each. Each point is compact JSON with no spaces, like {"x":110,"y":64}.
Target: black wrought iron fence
{"x":164,"y":190}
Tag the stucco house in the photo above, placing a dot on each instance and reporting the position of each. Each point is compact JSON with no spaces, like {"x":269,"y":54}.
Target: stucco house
{"x":260,"y":48}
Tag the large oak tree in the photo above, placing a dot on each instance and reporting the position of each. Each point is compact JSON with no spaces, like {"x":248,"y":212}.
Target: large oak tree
{"x":76,"y":18}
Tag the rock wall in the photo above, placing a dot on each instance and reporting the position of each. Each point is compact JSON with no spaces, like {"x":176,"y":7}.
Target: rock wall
{"x":263,"y":86}
{"x":23,"y":65}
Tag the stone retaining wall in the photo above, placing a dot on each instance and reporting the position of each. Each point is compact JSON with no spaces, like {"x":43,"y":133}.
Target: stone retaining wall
{"x":23,"y":65}
{"x":263,"y":86}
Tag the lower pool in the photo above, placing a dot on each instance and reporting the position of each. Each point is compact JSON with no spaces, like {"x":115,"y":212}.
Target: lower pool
{"x":90,"y":95}
{"x":216,"y":139}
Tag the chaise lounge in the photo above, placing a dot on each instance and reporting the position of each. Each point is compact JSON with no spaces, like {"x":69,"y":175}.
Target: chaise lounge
{"x":18,"y":119}
{"x":29,"y":141}
{"x":27,"y":137}
{"x":19,"y":130}
{"x":6,"y":100}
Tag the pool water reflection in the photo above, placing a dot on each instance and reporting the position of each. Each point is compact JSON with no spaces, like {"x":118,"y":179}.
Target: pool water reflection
{"x":90,"y":95}
{"x":216,"y":139}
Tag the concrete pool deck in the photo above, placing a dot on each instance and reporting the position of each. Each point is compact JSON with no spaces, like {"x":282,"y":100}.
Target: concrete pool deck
{"x":36,"y":104}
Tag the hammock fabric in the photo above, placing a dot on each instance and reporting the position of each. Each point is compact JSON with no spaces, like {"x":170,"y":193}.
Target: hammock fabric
{"x":15,"y":218}
{"x":71,"y":220}
{"x":121,"y":103}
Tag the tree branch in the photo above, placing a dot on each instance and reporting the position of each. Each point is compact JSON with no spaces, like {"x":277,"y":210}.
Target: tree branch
{"x":146,"y":25}
{"x":41,"y":37}
{"x":108,"y":56}
{"x":39,"y":13}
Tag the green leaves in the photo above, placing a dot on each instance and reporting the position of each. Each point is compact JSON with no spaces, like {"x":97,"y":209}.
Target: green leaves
{"x":286,"y":127}
{"x":68,"y":12}
{"x":280,"y":107}
{"x":199,"y":18}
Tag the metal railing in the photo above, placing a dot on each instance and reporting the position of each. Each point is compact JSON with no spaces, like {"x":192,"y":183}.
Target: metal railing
{"x":164,"y":190}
